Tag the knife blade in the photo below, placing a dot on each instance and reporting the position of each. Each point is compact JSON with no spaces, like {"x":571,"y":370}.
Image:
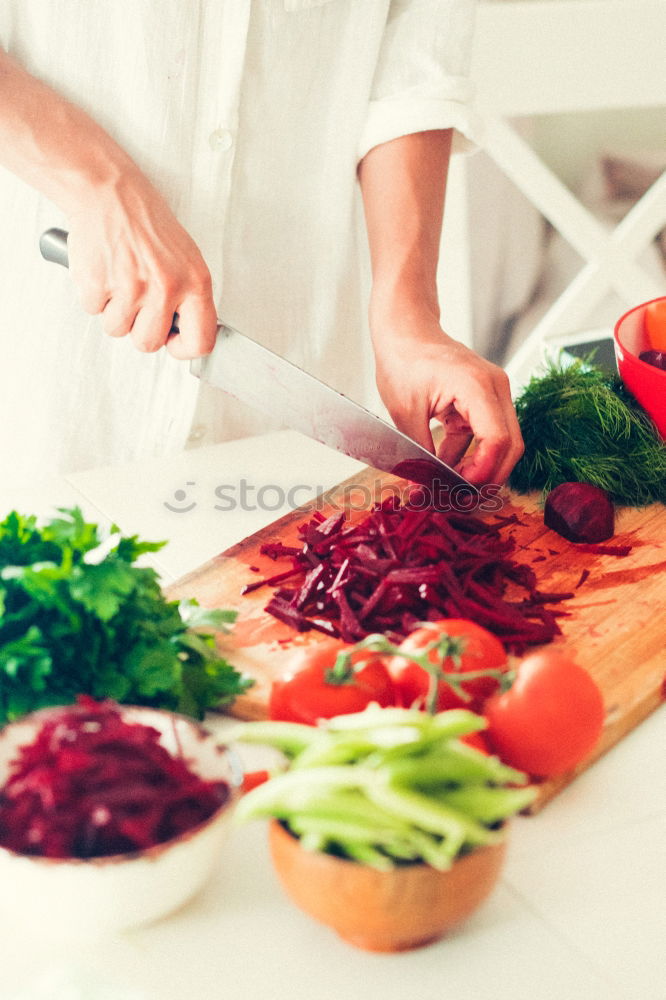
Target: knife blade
{"x":255,"y":375}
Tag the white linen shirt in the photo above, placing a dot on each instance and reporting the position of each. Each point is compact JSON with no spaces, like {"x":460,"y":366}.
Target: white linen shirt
{"x":250,"y":116}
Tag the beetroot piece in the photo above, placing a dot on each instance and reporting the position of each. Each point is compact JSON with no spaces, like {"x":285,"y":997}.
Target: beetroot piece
{"x":606,"y":550}
{"x":402,"y":565}
{"x":655,"y":358}
{"x":92,"y":785}
{"x":580,"y":512}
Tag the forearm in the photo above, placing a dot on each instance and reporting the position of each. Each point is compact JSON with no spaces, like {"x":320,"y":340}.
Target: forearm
{"x":403,"y":184}
{"x":53,"y":145}
{"x":422,"y":373}
{"x":129,"y":257}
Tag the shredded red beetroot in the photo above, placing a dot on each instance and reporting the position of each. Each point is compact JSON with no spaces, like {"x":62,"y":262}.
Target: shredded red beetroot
{"x":606,"y":550}
{"x":92,"y":785}
{"x":400,"y":566}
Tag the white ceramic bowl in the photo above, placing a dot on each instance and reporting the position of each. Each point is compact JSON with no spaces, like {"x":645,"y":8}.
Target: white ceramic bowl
{"x":105,"y":895}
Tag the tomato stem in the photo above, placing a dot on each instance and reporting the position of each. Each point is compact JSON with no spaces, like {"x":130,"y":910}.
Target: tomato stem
{"x":342,"y":671}
{"x":447,"y":646}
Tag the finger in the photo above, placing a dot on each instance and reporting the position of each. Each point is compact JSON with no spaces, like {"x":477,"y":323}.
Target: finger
{"x":119,"y":315}
{"x":93,"y":297}
{"x":457,"y":437}
{"x":91,"y":286}
{"x":514,"y":453}
{"x":152,"y":324}
{"x":414,"y":421}
{"x":493,"y":437}
{"x":517,"y":446}
{"x":198,"y":328}
{"x":483,"y":464}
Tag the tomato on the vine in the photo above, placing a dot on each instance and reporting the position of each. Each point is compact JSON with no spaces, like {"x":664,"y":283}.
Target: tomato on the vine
{"x":314,"y":690}
{"x":478,"y":649}
{"x":551,"y":717}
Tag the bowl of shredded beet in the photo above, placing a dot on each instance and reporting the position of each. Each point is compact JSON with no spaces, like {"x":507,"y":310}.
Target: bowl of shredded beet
{"x":110,"y":816}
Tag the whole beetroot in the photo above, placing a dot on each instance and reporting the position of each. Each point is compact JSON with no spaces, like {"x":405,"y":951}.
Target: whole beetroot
{"x":580,"y":512}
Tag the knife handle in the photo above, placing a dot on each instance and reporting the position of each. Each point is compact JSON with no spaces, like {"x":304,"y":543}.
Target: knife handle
{"x":53,"y":247}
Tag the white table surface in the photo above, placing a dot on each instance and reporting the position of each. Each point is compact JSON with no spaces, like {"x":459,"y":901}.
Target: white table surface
{"x":580,"y":910}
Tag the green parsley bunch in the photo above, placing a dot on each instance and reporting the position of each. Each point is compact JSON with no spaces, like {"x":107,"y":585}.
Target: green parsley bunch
{"x":78,"y":617}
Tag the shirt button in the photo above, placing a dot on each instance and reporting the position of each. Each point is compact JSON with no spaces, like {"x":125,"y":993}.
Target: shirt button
{"x":197,"y":433}
{"x":220,"y":140}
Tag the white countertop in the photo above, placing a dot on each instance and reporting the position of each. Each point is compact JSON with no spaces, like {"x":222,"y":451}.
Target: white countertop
{"x":579,"y":911}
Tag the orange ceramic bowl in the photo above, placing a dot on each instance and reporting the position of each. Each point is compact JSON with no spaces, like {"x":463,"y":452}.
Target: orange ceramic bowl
{"x":645,"y":382}
{"x":406,"y":907}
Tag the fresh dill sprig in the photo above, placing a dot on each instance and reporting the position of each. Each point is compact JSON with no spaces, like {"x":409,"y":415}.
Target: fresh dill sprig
{"x":580,"y":424}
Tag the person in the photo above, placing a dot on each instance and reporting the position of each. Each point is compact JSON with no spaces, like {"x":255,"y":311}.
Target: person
{"x":221,"y":157}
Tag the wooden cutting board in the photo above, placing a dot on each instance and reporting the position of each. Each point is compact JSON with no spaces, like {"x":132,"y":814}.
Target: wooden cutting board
{"x":616,"y":624}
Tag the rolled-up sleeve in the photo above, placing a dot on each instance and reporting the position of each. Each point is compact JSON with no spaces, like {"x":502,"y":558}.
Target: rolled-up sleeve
{"x":422,"y":77}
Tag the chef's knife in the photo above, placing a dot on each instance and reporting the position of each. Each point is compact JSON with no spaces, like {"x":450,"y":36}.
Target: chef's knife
{"x":257,"y":376}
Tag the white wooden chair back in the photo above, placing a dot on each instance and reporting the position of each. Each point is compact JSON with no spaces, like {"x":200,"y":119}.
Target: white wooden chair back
{"x":534,"y":57}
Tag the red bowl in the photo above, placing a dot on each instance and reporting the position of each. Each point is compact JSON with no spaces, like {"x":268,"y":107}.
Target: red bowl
{"x":644,"y":381}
